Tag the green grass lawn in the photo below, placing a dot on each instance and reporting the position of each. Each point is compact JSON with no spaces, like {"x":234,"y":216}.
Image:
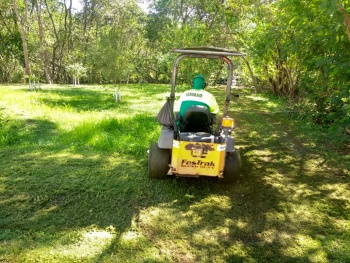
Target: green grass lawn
{"x":74,"y":185}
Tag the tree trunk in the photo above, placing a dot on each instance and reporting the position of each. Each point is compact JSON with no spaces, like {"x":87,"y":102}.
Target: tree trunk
{"x":291,"y":86}
{"x":43,"y":43}
{"x":243,"y":57}
{"x":22,"y":21}
{"x":56,"y":45}
{"x":346,"y":19}
{"x":70,"y":25}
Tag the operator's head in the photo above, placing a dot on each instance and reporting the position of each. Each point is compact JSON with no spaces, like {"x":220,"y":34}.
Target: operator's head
{"x":198,"y":82}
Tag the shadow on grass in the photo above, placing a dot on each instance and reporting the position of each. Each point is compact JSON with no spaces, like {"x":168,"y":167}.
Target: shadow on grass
{"x":91,"y":205}
{"x":27,"y":131}
{"x":96,"y":98}
{"x":80,"y":98}
{"x":301,"y":194}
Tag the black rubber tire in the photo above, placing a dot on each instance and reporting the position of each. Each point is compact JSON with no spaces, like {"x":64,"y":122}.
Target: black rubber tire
{"x":158,"y":162}
{"x":232,"y":169}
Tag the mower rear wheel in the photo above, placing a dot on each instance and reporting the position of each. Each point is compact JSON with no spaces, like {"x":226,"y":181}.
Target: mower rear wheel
{"x":232,"y":168}
{"x":158,"y":162}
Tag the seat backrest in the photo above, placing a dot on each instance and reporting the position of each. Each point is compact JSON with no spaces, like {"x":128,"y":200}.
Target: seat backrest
{"x":197,"y":119}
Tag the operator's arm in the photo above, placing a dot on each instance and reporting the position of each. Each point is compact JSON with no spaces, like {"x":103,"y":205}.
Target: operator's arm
{"x":213,"y":105}
{"x":177,"y":106}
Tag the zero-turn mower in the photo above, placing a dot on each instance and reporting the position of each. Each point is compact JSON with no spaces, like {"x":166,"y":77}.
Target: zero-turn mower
{"x":183,"y":151}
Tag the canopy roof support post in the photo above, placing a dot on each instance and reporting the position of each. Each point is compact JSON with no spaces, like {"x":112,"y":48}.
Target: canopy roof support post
{"x":229,"y":83}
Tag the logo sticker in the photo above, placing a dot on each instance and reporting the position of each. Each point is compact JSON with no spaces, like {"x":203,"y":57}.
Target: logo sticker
{"x":197,"y":164}
{"x":199,"y":150}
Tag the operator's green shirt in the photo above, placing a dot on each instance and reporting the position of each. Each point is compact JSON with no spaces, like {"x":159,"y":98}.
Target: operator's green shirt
{"x":196,"y":97}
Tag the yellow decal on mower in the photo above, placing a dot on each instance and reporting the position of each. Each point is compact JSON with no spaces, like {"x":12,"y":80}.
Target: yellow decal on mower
{"x":197,"y":158}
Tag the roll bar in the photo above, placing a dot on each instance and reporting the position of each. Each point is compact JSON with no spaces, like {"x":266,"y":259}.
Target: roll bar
{"x":207,"y":53}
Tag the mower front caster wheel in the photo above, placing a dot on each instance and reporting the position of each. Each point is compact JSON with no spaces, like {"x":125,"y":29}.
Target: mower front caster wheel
{"x":232,"y":168}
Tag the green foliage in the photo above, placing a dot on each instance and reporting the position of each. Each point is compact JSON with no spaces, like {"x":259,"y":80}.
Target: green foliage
{"x":119,"y":43}
{"x":301,"y":53}
{"x":11,"y":46}
{"x":153,"y":67}
{"x":8,"y":131}
{"x":77,"y":71}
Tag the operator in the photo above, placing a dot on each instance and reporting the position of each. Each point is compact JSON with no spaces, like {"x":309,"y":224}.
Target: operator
{"x":197,"y":96}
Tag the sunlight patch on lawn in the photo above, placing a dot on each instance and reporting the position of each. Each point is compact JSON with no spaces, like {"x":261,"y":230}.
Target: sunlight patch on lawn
{"x":240,"y":223}
{"x":221,"y":202}
{"x":253,"y":135}
{"x":304,"y":215}
{"x":307,"y":247}
{"x":258,"y":153}
{"x":272,"y":105}
{"x":175,"y":231}
{"x":95,"y":235}
{"x":163,"y":220}
{"x":256,"y":98}
{"x":337,"y":190}
{"x":206,"y":237}
{"x":260,"y":157}
{"x":239,"y":252}
{"x":169,"y":229}
{"x":131,"y":236}
{"x":148,"y":105}
{"x":313,"y":164}
{"x":43,"y":212}
{"x":20,"y":198}
{"x":87,"y":245}
{"x":273,"y":235}
{"x":303,"y":192}
{"x":68,"y":155}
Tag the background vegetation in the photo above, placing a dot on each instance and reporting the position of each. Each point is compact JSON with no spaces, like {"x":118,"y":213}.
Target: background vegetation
{"x":301,"y":53}
{"x":74,"y":185}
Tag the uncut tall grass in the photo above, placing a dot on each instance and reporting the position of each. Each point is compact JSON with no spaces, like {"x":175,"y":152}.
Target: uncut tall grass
{"x":82,"y":116}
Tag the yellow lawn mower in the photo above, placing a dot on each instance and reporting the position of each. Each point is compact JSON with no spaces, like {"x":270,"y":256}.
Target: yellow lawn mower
{"x":189,"y":146}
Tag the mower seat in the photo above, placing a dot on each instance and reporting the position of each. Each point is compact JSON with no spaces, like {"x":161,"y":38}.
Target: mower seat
{"x":200,"y":137}
{"x":197,"y":119}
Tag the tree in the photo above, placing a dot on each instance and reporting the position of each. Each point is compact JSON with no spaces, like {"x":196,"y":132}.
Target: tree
{"x":22,"y":19}
{"x":11,"y":59}
{"x":77,"y":71}
{"x":119,"y":37}
{"x":43,"y":44}
{"x":303,"y":54}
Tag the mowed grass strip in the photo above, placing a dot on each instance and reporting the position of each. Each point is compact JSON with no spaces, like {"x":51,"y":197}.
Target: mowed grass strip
{"x":74,"y":186}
